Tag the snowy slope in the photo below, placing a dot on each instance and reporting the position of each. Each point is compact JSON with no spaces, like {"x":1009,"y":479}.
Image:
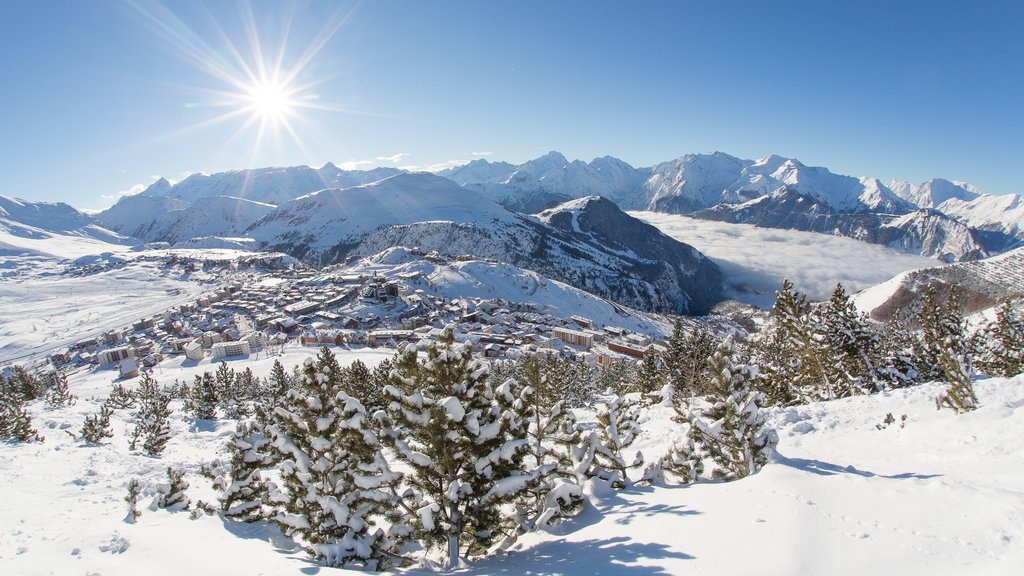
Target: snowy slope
{"x":940,"y":495}
{"x":132,"y":213}
{"x":933,"y":193}
{"x":979,"y":285}
{"x":989,"y":213}
{"x":490,"y":280}
{"x":208,"y":216}
{"x":40,"y":229}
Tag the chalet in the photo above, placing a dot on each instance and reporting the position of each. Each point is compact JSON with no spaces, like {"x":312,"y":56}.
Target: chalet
{"x":128,"y":368}
{"x":210,"y":338}
{"x":143,"y":324}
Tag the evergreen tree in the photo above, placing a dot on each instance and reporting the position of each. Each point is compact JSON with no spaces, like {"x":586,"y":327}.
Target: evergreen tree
{"x":681,"y":462}
{"x":97,"y":426}
{"x":202,"y":399}
{"x":899,"y":363}
{"x":172,"y":496}
{"x":333,"y":473}
{"x":24,"y":385}
{"x":364,"y":387}
{"x":853,"y":347}
{"x":231,"y":398}
{"x":933,"y":337}
{"x":243,"y":490}
{"x":650,"y":378}
{"x":955,"y":360}
{"x":132,"y":498}
{"x":732,"y":431}
{"x":273,"y":394}
{"x":1001,"y":344}
{"x":464,"y":453}
{"x":618,"y":378}
{"x":15,"y":422}
{"x":153,"y":425}
{"x":618,"y":429}
{"x":686,"y":358}
{"x":60,"y":394}
{"x":550,"y":430}
{"x":778,"y":369}
{"x":120,"y":397}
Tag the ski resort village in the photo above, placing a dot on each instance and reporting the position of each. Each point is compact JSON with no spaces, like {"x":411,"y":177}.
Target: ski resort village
{"x":306,"y":288}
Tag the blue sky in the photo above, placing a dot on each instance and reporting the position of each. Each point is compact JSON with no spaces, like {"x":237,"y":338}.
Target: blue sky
{"x":100,"y":97}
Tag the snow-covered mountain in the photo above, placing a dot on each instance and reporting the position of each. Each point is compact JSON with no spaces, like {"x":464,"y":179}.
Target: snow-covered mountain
{"x":208,"y":216}
{"x":593,"y":246}
{"x":268,"y":185}
{"x":133,"y":214}
{"x":934,"y":192}
{"x":51,"y":230}
{"x":773,"y":191}
{"x":979,"y":285}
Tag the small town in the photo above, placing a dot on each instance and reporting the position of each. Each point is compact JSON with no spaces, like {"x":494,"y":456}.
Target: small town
{"x":264,"y":306}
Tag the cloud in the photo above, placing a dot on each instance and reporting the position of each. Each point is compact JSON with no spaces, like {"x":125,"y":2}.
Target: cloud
{"x":755,"y":260}
{"x":481,"y":153}
{"x":356,"y":164}
{"x":394,"y":159}
{"x":435,"y":167}
{"x":110,"y":199}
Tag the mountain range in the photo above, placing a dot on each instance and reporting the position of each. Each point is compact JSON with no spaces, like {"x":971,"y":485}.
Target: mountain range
{"x":564,"y":219}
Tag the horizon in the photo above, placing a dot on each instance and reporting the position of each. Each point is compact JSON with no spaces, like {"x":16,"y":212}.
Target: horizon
{"x":128,"y":91}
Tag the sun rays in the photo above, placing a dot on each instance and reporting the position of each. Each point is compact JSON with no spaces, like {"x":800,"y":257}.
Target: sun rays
{"x":261,"y":78}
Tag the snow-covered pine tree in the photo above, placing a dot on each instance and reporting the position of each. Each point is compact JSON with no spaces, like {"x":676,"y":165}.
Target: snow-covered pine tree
{"x":618,"y":429}
{"x":59,"y":395}
{"x":682,"y":462}
{"x":619,"y":377}
{"x":812,"y":366}
{"x":153,"y":426}
{"x":932,"y":338}
{"x":732,"y":431}
{"x":97,"y":426}
{"x":650,"y":378}
{"x":363,"y":386}
{"x":899,"y":364}
{"x":132,"y":499}
{"x":1001,"y":344}
{"x":955,"y":360}
{"x":465,"y":459}
{"x":778,"y":368}
{"x":24,"y":384}
{"x":231,"y":398}
{"x":120,"y":397}
{"x":202,"y":397}
{"x":551,"y":430}
{"x":243,"y":490}
{"x":172,"y":496}
{"x":852,"y":344}
{"x":15,"y":422}
{"x":686,"y":360}
{"x":332,"y":469}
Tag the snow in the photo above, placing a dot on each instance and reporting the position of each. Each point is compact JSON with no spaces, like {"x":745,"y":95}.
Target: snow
{"x":755,"y":260}
{"x":453,"y":408}
{"x":939,"y":495}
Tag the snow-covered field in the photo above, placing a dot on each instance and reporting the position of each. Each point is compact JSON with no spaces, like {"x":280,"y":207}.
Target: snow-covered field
{"x":43,"y":309}
{"x":942,"y":494}
{"x":755,"y":260}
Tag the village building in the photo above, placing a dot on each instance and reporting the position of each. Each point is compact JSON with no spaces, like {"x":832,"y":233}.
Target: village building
{"x":229,"y":349}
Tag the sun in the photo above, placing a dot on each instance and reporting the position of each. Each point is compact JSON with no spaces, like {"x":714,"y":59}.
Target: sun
{"x":270,"y":101}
